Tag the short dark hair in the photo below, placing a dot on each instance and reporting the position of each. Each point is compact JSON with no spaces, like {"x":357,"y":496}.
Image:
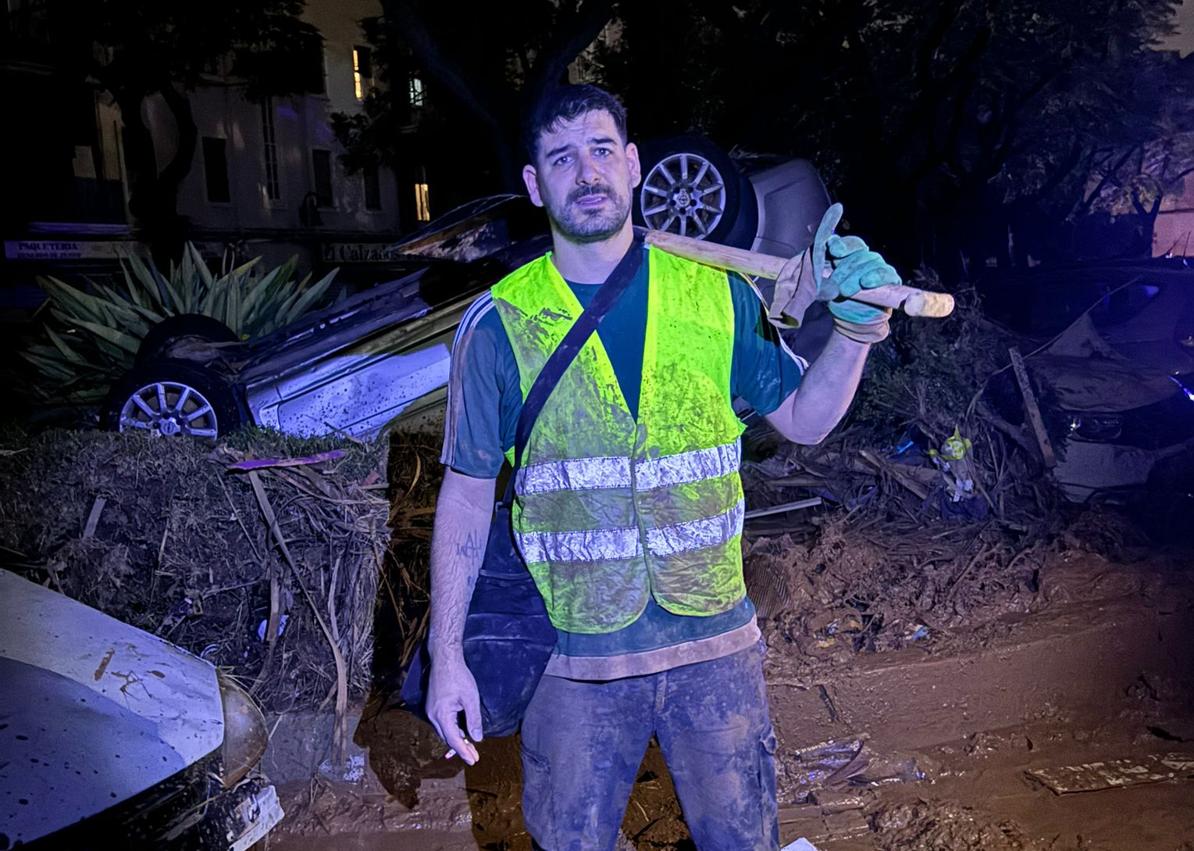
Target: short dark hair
{"x":565,"y":103}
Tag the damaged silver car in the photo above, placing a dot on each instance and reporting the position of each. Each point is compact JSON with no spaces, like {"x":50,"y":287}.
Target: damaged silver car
{"x":111,"y":737}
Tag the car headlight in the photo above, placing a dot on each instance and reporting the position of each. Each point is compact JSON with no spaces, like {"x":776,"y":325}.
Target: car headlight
{"x":245,"y":734}
{"x":1096,"y":427}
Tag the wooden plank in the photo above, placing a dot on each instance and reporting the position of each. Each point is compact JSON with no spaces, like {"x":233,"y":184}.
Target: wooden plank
{"x":1032,"y":409}
{"x":894,"y":471}
{"x":1114,"y":773}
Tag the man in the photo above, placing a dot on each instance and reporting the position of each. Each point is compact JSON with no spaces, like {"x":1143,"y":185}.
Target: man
{"x":629,"y":512}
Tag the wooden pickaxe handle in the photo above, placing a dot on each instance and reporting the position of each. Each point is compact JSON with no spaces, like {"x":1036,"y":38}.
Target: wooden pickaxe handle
{"x":913,"y":301}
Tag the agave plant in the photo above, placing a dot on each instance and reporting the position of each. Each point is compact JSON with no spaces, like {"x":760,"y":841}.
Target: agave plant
{"x":92,"y":334}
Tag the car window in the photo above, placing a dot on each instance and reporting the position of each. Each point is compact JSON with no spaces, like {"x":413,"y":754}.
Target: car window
{"x":1056,"y":303}
{"x":1122,"y":304}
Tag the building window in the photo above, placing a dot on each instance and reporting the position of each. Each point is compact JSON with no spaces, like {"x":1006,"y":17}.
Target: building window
{"x":362,"y":71}
{"x":215,"y":169}
{"x":422,"y":202}
{"x":416,"y":94}
{"x":372,"y":179}
{"x":273,"y":189}
{"x":321,"y":164}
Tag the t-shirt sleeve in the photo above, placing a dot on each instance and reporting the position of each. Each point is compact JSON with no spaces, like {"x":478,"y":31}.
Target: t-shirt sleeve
{"x":764,"y":370}
{"x":484,"y":397}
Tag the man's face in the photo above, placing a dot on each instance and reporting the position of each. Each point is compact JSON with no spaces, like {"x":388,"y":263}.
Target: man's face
{"x":584,"y":176}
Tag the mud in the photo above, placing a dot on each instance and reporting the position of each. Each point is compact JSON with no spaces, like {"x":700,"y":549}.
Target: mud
{"x":922,"y":745}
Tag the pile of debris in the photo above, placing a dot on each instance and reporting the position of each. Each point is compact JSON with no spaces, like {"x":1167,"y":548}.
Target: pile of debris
{"x":929,"y":509}
{"x":415,"y":474}
{"x":261,"y":555}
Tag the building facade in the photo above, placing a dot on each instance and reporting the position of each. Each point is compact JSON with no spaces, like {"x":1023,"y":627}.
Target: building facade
{"x":265,"y":178}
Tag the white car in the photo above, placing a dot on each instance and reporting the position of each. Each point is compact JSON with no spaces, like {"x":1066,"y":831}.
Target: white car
{"x":111,"y":737}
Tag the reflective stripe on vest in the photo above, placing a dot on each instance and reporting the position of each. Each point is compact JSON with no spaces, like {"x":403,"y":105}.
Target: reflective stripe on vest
{"x":611,"y":510}
{"x":614,"y":472}
{"x":624,"y":543}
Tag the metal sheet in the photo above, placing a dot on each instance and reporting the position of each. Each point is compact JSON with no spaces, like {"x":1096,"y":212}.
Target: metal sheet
{"x":97,"y":710}
{"x":357,"y":394}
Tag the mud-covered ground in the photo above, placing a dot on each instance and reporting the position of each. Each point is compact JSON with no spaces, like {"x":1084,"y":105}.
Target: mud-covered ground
{"x":921,"y":733}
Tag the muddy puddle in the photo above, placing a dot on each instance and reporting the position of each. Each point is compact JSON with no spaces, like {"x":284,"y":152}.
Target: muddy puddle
{"x":1064,"y":725}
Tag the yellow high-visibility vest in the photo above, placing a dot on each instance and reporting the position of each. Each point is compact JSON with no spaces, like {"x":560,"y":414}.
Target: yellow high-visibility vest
{"x":609,"y":508}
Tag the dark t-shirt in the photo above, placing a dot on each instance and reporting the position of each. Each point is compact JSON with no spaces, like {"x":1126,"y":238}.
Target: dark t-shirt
{"x":485,"y":400}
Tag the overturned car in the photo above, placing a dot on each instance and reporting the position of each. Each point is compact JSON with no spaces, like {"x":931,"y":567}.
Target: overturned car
{"x":383,"y":353}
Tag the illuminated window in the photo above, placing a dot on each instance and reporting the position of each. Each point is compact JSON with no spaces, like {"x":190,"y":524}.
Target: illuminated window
{"x":362,"y":71}
{"x":273,"y":189}
{"x":416,"y":90}
{"x":422,"y":203}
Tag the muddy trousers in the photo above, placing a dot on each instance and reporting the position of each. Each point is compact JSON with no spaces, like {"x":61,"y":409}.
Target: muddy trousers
{"x":582,"y":743}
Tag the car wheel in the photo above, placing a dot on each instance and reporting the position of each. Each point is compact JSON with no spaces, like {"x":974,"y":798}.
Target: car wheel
{"x":1166,"y":502}
{"x":174,"y":397}
{"x":692,"y":188}
{"x":157,"y":341}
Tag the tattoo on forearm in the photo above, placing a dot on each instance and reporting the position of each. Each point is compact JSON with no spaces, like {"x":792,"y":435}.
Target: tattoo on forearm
{"x":457,"y":548}
{"x":471,"y":547}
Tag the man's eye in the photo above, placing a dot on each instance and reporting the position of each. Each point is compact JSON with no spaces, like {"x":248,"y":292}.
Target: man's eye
{"x":603,"y":152}
{"x":564,"y":160}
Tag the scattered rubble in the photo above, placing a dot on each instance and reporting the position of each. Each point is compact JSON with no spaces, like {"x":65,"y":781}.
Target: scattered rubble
{"x":270,"y":573}
{"x":947,"y":826}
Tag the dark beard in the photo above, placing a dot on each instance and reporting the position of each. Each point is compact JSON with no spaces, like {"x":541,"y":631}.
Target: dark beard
{"x":578,"y":226}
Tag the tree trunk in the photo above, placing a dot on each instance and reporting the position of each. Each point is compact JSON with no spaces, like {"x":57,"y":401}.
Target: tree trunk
{"x":170,"y":240}
{"x":153,"y":195}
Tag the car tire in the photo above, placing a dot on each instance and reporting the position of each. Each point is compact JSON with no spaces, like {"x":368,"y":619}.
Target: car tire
{"x":691,"y":187}
{"x":172,"y":397}
{"x":1166,"y":502}
{"x":159,"y":338}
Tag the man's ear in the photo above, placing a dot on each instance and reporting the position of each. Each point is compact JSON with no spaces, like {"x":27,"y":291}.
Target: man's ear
{"x":531,"y":178}
{"x":633,"y":164}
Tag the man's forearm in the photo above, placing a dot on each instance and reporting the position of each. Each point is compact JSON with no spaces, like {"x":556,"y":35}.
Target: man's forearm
{"x":462,"y":516}
{"x":818,"y":405}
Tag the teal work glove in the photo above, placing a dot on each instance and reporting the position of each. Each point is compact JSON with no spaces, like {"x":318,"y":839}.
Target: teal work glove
{"x":844,"y":265}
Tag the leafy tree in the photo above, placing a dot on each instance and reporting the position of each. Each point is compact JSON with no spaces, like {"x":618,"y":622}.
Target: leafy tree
{"x":478,"y":79}
{"x":941,"y":123}
{"x":134,"y":49}
{"x":937,"y":121}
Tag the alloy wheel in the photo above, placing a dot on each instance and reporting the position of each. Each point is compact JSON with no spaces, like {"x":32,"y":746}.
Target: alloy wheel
{"x":685,"y":194}
{"x":169,"y":408}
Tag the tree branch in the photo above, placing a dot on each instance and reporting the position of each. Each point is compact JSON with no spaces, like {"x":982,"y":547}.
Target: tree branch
{"x":584,"y":24}
{"x":439,"y":66}
{"x":934,"y":38}
{"x":1109,"y":177}
{"x":188,"y":134}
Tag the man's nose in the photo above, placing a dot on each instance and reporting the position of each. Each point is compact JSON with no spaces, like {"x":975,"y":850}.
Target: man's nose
{"x":586,"y":170}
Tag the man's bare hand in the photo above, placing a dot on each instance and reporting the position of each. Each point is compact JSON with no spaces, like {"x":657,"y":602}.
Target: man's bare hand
{"x":451,"y":690}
